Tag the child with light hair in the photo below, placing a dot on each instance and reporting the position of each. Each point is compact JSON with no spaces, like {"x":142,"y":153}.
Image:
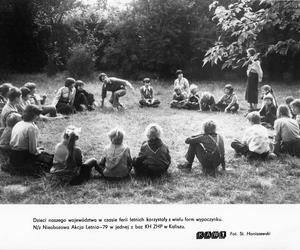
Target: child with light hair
{"x":116,"y":162}
{"x":179,"y":99}
{"x":193,"y":99}
{"x":295,"y":105}
{"x":255,"y":142}
{"x":207,"y":102}
{"x":68,"y":167}
{"x":154,"y":158}
{"x":208,"y":147}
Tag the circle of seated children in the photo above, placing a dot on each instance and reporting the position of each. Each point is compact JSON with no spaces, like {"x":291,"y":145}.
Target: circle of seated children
{"x":21,"y":154}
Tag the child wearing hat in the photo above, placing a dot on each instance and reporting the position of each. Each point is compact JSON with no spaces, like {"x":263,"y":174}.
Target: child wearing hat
{"x":268,"y":112}
{"x":207,"y":102}
{"x":229,"y":101}
{"x":193,"y":99}
{"x":147,"y":99}
{"x":179,"y":99}
{"x":83,"y":99}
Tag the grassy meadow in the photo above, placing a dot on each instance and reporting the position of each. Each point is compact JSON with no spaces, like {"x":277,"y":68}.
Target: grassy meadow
{"x":274,"y":181}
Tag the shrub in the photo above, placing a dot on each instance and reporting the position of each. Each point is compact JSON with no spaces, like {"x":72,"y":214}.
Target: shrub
{"x":81,"y":62}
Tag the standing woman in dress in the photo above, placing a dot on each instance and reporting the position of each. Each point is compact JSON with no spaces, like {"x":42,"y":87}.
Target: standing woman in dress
{"x":255,"y":74}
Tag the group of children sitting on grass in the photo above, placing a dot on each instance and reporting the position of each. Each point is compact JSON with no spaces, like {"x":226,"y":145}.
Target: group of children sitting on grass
{"x":20,"y":153}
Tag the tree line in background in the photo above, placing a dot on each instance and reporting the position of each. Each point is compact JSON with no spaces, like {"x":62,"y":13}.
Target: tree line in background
{"x":153,"y":36}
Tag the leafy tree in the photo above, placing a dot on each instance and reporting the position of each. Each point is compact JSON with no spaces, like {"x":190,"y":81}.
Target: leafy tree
{"x":273,"y":27}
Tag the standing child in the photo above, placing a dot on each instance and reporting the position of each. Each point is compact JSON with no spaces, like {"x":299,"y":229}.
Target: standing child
{"x":147,"y":99}
{"x":83,"y":99}
{"x":154,"y":158}
{"x":193,"y":99}
{"x":296,"y":110}
{"x":268,"y":112}
{"x":255,"y":74}
{"x":68,"y":168}
{"x":207,"y":102}
{"x":178,"y":99}
{"x":229,"y":101}
{"x":208,"y":148}
{"x":116,"y":162}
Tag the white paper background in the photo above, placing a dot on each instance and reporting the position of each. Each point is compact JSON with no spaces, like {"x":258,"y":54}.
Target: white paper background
{"x":281,"y":220}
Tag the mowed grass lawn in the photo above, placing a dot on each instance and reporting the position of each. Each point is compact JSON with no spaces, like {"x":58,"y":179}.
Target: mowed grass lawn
{"x":275,"y":181}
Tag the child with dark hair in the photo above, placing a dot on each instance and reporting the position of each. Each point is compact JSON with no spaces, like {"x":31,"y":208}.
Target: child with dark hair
{"x":207,"y":102}
{"x":12,"y":104}
{"x":229,"y":101}
{"x":154,"y":158}
{"x":267,"y":90}
{"x":193,"y":99}
{"x":255,"y":142}
{"x":4,"y":89}
{"x":11,"y":121}
{"x":65,"y":96}
{"x":254,"y":74}
{"x":287,"y":133}
{"x":179,"y":99}
{"x":288,"y":101}
{"x":83,"y":99}
{"x":116,"y":162}
{"x":68,"y":168}
{"x":147,"y":99}
{"x":268,"y":112}
{"x":182,"y":83}
{"x":26,"y":158}
{"x":296,"y":110}
{"x":208,"y":148}
{"x":24,"y":101}
{"x":40,"y":101}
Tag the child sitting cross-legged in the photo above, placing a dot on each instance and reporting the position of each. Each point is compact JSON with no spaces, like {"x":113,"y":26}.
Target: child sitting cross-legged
{"x":208,"y":148}
{"x":229,"y":101}
{"x":255,"y":142}
{"x":68,"y":168}
{"x":268,"y":112}
{"x":147,"y":99}
{"x":207,"y":102}
{"x":154,"y":158}
{"x":268,"y":91}
{"x":193,"y":99}
{"x":83,"y":99}
{"x":179,"y":99}
{"x":116,"y":162}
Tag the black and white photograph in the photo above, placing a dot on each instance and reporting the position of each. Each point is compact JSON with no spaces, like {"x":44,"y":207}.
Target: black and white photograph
{"x":181,"y":103}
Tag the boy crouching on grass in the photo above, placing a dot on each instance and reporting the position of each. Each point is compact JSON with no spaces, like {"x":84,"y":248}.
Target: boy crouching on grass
{"x":154,"y":158}
{"x":147,"y":99}
{"x":208,"y":148}
{"x":255,"y":143}
{"x":193,"y":99}
{"x":116,"y":162}
{"x":229,"y":101}
{"x":207,"y":102}
{"x":179,"y":99}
